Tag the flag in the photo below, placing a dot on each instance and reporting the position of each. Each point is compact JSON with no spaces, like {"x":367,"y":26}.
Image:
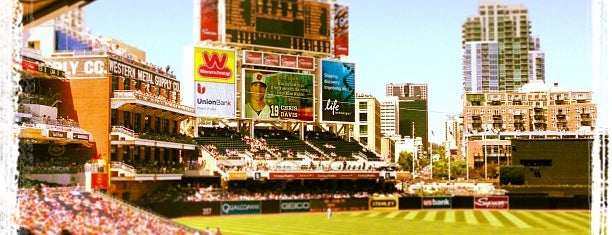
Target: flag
{"x":99,"y":180}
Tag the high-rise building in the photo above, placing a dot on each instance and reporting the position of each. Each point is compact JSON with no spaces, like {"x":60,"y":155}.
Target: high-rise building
{"x":367,"y":127}
{"x":407,"y":91}
{"x":389,"y":115}
{"x":413,"y":116}
{"x":535,"y":107}
{"x":413,"y":119}
{"x":452,"y":131}
{"x":499,"y":52}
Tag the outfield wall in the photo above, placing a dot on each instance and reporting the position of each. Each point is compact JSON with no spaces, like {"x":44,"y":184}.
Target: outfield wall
{"x":228,"y":208}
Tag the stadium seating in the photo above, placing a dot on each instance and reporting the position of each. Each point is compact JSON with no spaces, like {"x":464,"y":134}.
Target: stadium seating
{"x":64,"y":210}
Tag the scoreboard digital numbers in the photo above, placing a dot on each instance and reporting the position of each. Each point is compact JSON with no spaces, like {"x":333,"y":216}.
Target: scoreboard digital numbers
{"x":291,"y":24}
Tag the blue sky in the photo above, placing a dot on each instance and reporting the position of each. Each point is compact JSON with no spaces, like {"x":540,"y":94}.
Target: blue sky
{"x":391,"y":41}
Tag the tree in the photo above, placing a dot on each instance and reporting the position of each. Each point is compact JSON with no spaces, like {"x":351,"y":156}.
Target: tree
{"x":512,"y":175}
{"x":457,"y":169}
{"x":405,"y":160}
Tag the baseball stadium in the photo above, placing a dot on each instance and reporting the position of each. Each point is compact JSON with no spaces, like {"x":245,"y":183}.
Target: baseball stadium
{"x":107,"y":147}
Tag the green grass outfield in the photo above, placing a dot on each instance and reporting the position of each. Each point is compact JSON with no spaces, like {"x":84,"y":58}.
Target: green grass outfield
{"x":454,"y":222}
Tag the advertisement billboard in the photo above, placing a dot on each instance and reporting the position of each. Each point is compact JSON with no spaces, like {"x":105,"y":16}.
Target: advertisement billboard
{"x":337,"y":91}
{"x":209,"y":20}
{"x":383,"y":203}
{"x":289,"y":206}
{"x":298,"y":25}
{"x":323,"y":175}
{"x":273,"y":95}
{"x":436,"y":203}
{"x":240,"y":207}
{"x":236,"y":175}
{"x":214,"y":65}
{"x":277,"y":60}
{"x":341,"y":30}
{"x":492,"y":202}
{"x":214,"y":81}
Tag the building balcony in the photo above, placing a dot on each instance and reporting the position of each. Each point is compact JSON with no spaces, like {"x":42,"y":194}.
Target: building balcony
{"x":539,"y":117}
{"x":519,"y":127}
{"x":121,"y":171}
{"x":585,"y":116}
{"x":121,"y":135}
{"x":561,"y":118}
{"x":125,"y":97}
{"x":585,"y":123}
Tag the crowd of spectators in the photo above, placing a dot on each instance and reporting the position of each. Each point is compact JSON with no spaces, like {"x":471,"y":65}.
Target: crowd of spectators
{"x":271,"y":190}
{"x":46,"y":210}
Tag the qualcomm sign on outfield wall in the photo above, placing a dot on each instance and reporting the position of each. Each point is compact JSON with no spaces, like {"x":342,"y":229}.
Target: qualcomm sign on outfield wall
{"x":214,"y":80}
{"x":338,"y":91}
{"x":240,"y":207}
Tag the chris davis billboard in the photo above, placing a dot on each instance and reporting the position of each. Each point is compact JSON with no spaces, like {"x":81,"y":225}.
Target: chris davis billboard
{"x":214,"y":81}
{"x":273,"y":95}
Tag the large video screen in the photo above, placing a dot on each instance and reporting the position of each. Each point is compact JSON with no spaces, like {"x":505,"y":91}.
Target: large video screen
{"x":338,"y":91}
{"x":291,"y":24}
{"x":273,"y":95}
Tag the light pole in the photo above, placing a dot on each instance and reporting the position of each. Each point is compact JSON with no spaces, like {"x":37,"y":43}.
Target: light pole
{"x":430,"y":160}
{"x":485,"y":154}
{"x":467,"y":158}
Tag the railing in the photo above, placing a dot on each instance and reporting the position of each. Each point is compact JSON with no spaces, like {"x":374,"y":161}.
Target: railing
{"x":150,"y":98}
{"x":123,"y":166}
{"x":124,"y":130}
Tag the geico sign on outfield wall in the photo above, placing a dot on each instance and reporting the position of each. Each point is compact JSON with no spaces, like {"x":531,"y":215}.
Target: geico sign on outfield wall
{"x":294,"y":206}
{"x":383,"y":203}
{"x":80,"y":67}
{"x":491,"y":202}
{"x":240,"y":207}
{"x":143,"y":74}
